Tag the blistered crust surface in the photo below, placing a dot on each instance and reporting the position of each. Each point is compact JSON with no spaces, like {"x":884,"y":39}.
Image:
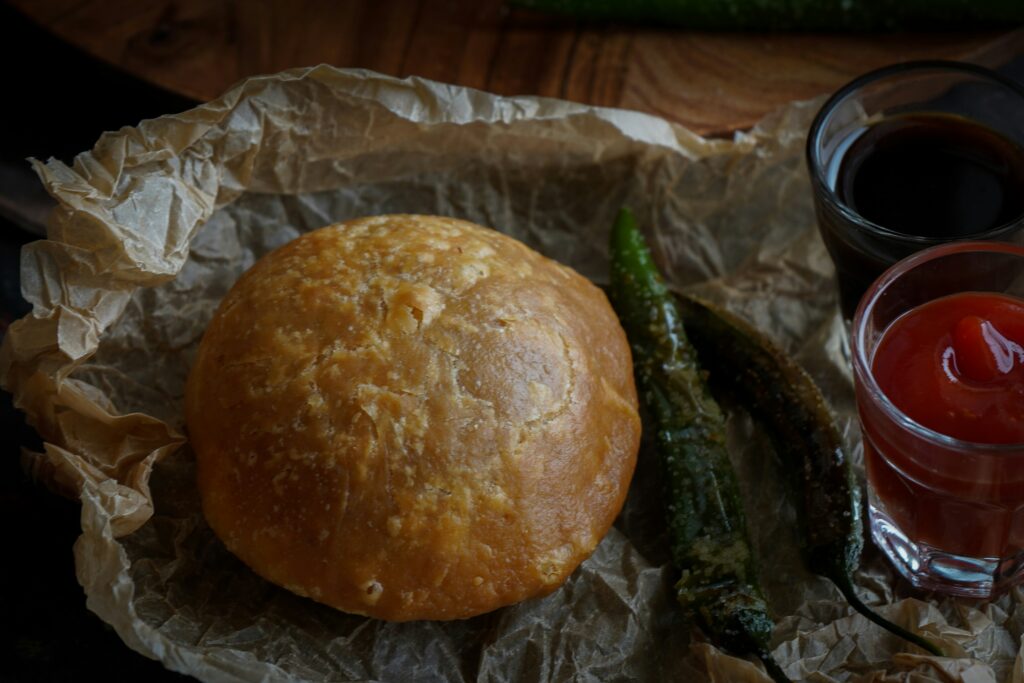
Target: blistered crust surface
{"x":412,"y":417}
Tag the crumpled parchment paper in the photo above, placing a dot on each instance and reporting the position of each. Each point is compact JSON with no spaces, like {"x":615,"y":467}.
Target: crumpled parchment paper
{"x":156,"y":222}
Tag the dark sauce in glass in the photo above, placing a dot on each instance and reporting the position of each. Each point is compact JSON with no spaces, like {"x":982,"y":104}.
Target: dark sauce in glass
{"x":934,"y":176}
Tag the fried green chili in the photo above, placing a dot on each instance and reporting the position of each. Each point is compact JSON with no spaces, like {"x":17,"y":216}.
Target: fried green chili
{"x":776,"y":391}
{"x":708,"y":538}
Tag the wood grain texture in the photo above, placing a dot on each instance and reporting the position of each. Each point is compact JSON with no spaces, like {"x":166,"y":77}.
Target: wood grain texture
{"x":710,"y":82}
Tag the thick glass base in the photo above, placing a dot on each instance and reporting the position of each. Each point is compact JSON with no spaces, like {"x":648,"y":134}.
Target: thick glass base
{"x":933,"y":569}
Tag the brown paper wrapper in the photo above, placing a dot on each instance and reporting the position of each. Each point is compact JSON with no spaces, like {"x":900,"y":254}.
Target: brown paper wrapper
{"x":155,"y":224}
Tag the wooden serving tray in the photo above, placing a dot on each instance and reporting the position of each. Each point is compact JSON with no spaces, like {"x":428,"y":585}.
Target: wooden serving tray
{"x":712,"y":83}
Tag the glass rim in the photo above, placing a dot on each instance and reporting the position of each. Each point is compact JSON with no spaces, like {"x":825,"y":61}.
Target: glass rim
{"x":862,"y":364}
{"x":824,"y":114}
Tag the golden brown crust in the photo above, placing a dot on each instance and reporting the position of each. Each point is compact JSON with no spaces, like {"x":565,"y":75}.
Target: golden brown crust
{"x":412,"y":417}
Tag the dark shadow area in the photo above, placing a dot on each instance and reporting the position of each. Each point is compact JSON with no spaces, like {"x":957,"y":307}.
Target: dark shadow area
{"x":52,"y":108}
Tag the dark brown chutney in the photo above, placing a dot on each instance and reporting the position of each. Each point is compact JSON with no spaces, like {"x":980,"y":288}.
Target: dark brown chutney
{"x":916,"y":180}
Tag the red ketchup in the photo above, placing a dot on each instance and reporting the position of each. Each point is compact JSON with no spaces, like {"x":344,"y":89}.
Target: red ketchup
{"x":956,"y":366}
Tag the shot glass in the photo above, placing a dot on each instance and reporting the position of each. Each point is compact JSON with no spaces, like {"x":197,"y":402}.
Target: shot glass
{"x":948,"y":513}
{"x":957,"y":94}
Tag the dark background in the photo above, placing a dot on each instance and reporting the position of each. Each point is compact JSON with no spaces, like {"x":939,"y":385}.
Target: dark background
{"x":55,"y":108}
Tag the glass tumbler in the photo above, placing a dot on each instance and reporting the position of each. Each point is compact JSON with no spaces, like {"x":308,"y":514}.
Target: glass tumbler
{"x":948,"y":513}
{"x":860,"y":248}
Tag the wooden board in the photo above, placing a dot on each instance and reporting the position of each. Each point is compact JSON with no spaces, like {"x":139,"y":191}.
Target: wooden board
{"x":710,"y":82}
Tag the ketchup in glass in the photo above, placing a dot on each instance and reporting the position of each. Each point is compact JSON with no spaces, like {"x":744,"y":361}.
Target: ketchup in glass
{"x":956,"y":366}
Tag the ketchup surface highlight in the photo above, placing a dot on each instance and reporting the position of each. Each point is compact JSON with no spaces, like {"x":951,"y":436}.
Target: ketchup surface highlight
{"x":956,"y":366}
